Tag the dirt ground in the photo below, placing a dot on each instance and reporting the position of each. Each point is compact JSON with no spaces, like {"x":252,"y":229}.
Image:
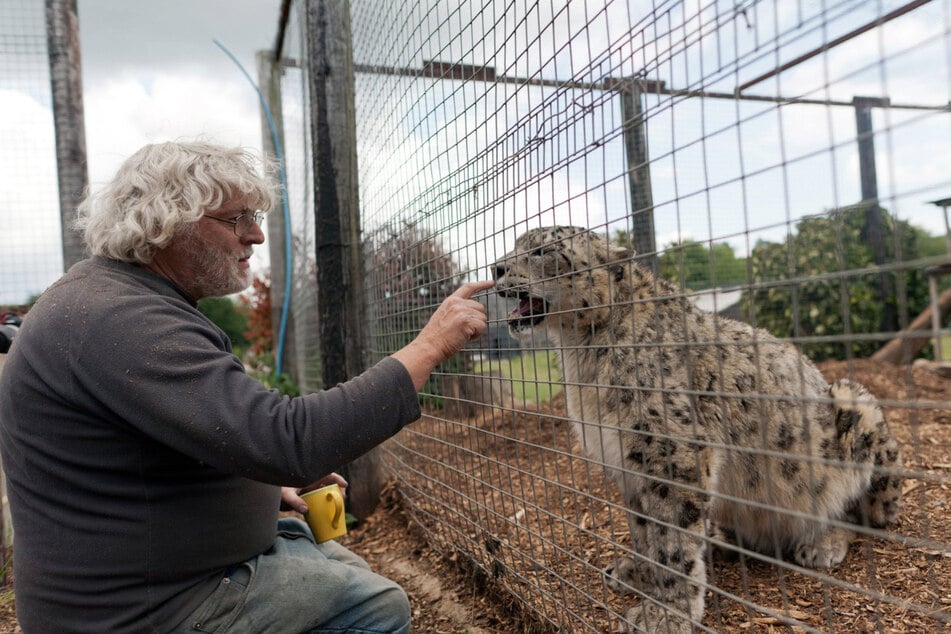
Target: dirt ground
{"x":506,"y":505}
{"x":510,"y":528}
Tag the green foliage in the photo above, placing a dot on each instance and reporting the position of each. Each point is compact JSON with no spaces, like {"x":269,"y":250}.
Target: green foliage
{"x":229,"y":316}
{"x":931,"y":246}
{"x":935,"y":246}
{"x":694,"y":266}
{"x":280,"y":382}
{"x":412,"y":274}
{"x":818,"y":271}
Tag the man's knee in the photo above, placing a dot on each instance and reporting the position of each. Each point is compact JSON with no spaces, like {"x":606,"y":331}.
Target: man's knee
{"x":392,"y":607}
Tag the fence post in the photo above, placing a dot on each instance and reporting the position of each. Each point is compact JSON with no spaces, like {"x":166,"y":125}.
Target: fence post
{"x":62,"y":34}
{"x":340,"y":286}
{"x":638,"y":173}
{"x":875,"y":232}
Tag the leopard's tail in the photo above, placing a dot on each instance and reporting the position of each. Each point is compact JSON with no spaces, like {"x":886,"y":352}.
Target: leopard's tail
{"x":865,"y":438}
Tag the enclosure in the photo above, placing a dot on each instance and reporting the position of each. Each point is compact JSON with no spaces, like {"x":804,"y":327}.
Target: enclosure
{"x":782,"y":164}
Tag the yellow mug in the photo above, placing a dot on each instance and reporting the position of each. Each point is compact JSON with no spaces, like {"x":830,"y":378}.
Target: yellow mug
{"x":325,"y":514}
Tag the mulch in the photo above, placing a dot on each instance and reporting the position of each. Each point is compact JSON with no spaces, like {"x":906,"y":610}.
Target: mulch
{"x":507,"y":499}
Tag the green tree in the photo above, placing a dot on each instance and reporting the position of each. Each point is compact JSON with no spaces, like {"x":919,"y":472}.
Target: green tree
{"x":410,"y":274}
{"x":694,"y":266}
{"x":230,"y":317}
{"x":818,"y":284}
{"x":931,"y":246}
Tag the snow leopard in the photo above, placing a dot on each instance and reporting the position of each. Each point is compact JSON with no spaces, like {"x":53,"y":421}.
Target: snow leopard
{"x":710,"y":427}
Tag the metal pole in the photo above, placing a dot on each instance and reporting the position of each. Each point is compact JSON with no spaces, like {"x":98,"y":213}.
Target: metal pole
{"x":935,"y":316}
{"x":875,"y":231}
{"x":638,"y":174}
{"x":62,"y":31}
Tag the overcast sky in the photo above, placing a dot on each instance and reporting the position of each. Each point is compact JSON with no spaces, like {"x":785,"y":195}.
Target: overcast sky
{"x":151,"y":72}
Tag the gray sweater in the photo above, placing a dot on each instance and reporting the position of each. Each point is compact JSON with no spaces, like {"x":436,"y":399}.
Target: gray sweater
{"x":142,"y":461}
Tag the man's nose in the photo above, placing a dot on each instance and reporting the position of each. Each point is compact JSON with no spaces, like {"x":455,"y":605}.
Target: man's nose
{"x":255,"y":235}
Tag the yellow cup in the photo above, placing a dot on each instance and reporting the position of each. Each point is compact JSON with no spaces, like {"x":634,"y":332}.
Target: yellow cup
{"x":325,"y":514}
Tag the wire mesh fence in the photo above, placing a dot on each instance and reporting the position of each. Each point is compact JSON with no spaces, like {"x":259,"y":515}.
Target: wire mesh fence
{"x":773,"y":164}
{"x":30,"y":246}
{"x":753,"y":206}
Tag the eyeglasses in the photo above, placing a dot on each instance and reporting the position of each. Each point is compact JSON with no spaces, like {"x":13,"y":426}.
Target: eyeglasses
{"x":243,"y":223}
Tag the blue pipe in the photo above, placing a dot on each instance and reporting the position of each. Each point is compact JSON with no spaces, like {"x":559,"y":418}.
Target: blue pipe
{"x":282,"y":332}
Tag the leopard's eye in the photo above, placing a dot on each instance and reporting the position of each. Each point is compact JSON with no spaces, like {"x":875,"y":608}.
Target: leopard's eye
{"x":538,"y":251}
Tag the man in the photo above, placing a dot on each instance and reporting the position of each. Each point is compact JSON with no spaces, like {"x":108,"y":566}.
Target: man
{"x":145,"y":467}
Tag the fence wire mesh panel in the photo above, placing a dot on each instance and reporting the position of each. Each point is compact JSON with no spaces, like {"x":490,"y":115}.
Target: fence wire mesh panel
{"x":303,"y":352}
{"x":29,"y":259}
{"x":714,"y":390}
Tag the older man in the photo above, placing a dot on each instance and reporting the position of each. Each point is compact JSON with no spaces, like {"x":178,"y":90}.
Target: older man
{"x":146,"y":467}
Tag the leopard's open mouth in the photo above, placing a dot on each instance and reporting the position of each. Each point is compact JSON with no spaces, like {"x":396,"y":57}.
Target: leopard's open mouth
{"x":529,"y":312}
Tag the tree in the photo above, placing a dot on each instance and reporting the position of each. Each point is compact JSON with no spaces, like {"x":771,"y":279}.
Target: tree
{"x":820,"y":283}
{"x":409,"y":275}
{"x":228,"y":316}
{"x":260,"y":336}
{"x":257,"y":303}
{"x":694,"y":266}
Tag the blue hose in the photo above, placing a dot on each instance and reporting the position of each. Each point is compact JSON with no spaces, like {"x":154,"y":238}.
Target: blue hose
{"x":282,"y":332}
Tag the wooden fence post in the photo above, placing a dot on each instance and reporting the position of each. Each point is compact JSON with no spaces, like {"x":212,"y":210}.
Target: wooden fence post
{"x":340,"y":264}
{"x":638,"y":173}
{"x":62,"y":33}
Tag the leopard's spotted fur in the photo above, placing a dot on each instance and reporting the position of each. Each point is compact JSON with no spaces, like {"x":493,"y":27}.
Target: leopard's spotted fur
{"x":705,"y":423}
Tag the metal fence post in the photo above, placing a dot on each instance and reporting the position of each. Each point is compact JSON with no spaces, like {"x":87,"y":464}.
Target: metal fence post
{"x":638,"y":173}
{"x":269,"y":80}
{"x":865,"y":135}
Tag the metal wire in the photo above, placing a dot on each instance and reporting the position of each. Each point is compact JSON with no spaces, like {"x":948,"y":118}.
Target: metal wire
{"x":478,"y":121}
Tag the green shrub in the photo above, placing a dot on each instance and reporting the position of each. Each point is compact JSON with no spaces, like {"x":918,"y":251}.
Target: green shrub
{"x":817,"y":283}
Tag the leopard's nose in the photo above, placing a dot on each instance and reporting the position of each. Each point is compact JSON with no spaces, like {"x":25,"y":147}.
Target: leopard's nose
{"x":500,"y":270}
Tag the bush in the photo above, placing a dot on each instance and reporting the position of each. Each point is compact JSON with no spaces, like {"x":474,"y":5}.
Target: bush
{"x":228,"y":316}
{"x":813,"y":284}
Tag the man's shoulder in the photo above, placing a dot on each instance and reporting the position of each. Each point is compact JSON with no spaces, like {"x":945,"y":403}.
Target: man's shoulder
{"x":98,"y":292}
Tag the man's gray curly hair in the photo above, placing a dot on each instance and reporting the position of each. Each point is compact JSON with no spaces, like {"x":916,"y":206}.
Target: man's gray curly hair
{"x":162,"y":190}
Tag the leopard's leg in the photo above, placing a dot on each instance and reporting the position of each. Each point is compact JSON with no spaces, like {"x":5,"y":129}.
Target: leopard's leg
{"x":627,"y":575}
{"x":672,"y":530}
{"x":862,"y":429}
{"x":824,"y":548}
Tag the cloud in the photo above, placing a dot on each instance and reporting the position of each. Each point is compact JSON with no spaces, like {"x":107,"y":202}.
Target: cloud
{"x":173,"y":36}
{"x":30,"y":245}
{"x":123,"y":115}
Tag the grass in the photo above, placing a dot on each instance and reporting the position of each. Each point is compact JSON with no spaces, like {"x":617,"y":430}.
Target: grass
{"x":534,"y":376}
{"x":945,"y":349}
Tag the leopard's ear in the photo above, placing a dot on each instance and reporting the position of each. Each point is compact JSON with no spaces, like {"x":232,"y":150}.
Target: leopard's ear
{"x":618,"y":254}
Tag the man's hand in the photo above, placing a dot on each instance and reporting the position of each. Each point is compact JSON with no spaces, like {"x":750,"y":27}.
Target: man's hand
{"x":291,"y":496}
{"x":457,"y":321}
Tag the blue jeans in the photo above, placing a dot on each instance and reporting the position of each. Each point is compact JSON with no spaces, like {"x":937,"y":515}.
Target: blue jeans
{"x":297,"y":587}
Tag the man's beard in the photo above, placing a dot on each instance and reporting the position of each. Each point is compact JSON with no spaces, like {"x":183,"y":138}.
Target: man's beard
{"x":216,"y":271}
